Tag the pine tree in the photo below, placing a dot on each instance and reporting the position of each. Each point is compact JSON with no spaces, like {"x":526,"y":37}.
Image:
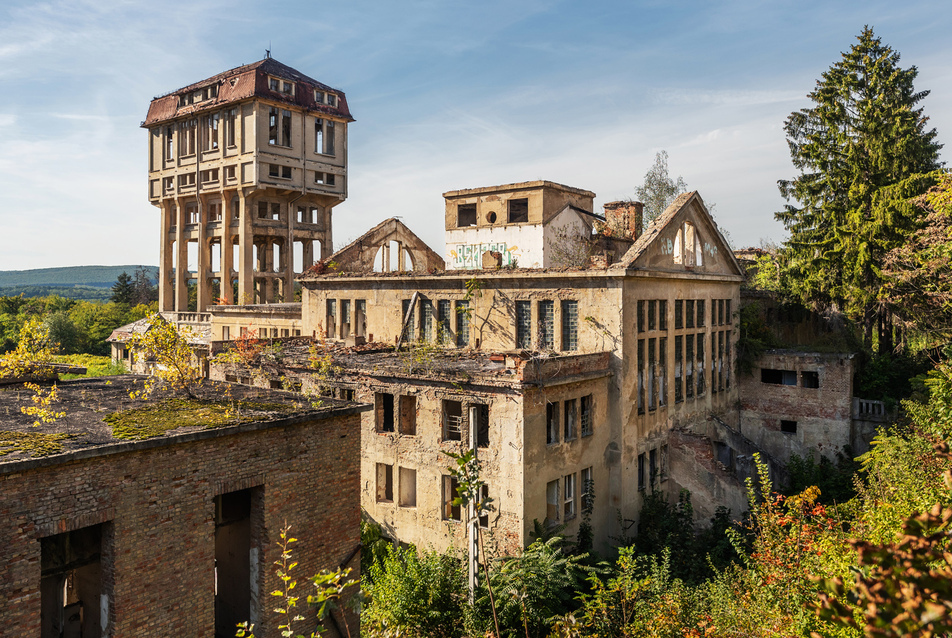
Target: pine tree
{"x":123,"y":291}
{"x":861,"y":150}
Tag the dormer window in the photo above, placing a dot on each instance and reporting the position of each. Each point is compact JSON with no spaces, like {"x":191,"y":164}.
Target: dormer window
{"x":320,"y":97}
{"x":331,"y":99}
{"x":281,"y":86}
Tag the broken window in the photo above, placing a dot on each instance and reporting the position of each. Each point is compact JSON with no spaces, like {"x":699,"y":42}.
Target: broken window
{"x":778,"y":377}
{"x":662,"y":314}
{"x":678,"y":385}
{"x":720,"y":312}
{"x":652,"y":309}
{"x":462,"y":323}
{"x":444,"y":329}
{"x":662,"y":371}
{"x":810,"y":379}
{"x":546,"y":325}
{"x":465,"y":215}
{"x":451,"y":512}
{"x":720,"y":360}
{"x":276,"y":170}
{"x":640,"y":315}
{"x":700,"y":313}
{"x":426,"y":320}
{"x":233,"y":559}
{"x":383,"y":406}
{"x":407,"y":487}
{"x":727,"y":311}
{"x":518,"y":211}
{"x":331,"y":99}
{"x":452,"y":420}
{"x":570,"y":418}
{"x":689,"y":365}
{"x":191,"y":213}
{"x":587,"y":487}
{"x":552,"y":501}
{"x":483,"y":498}
{"x":360,"y":317}
{"x":210,"y":132}
{"x":279,"y":127}
{"x":384,"y":483}
{"x":585,"y":415}
{"x":689,"y":313}
{"x":482,"y":425}
{"x":653,"y":467}
{"x":71,"y":583}
{"x":714,"y":361}
{"x":678,"y":314}
{"x":345,"y":318}
{"x":790,"y":427}
{"x":169,"y":144}
{"x":700,"y":364}
{"x":231,"y":126}
{"x":187,"y":138}
{"x":186,"y":180}
{"x":652,"y":364}
{"x":551,"y":423}
{"x":325,"y":179}
{"x":214,"y":211}
{"x":331,"y":317}
{"x":408,"y":414}
{"x":324,"y":136}
{"x":524,"y":324}
{"x":568,"y":497}
{"x":569,"y":325}
{"x":409,"y":330}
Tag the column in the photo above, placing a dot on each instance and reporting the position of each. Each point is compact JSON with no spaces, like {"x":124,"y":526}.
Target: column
{"x":166,"y":290}
{"x":246,"y":266}
{"x":181,"y":258}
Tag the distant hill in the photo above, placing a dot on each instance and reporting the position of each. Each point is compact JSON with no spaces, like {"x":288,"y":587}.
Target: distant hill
{"x":69,"y":276}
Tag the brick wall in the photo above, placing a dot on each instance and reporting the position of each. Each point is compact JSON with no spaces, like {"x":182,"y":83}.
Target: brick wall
{"x":158,"y":505}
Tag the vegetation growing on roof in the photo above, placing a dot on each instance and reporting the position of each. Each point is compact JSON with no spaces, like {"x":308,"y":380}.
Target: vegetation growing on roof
{"x":33,"y":443}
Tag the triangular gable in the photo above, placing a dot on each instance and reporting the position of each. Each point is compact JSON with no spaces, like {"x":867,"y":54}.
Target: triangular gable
{"x":664,"y":244}
{"x":360,"y":254}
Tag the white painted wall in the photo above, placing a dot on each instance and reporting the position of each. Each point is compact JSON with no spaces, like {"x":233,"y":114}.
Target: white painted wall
{"x":521,"y":244}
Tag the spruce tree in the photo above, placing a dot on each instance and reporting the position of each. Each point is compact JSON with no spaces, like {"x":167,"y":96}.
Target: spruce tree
{"x":861,"y":150}
{"x":123,"y":291}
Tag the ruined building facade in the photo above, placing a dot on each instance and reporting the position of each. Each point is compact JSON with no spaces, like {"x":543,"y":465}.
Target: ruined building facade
{"x":245,"y":168}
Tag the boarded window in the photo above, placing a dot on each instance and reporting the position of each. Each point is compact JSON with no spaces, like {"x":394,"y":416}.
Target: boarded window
{"x":466,"y":215}
{"x":518,"y":211}
{"x":407,"y":487}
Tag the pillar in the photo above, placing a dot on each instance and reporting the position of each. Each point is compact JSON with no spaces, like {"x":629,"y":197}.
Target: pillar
{"x":246,"y":266}
{"x":166,"y":289}
{"x":181,"y":258}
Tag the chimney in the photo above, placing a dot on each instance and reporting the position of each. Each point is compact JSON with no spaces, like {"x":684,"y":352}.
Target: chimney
{"x":623,"y":219}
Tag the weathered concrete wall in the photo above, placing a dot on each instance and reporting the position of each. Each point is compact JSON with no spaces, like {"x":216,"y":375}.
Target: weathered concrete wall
{"x":820,"y":416}
{"x":267,"y":320}
{"x":694,"y":467}
{"x":158,"y":506}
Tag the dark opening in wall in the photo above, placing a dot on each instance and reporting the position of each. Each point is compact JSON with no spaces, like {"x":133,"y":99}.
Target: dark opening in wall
{"x":384,"y":409}
{"x":518,"y":211}
{"x":466,"y":215}
{"x":790,"y":427}
{"x":482,"y":425}
{"x":778,"y":377}
{"x":452,"y":420}
{"x":384,"y":483}
{"x":810,"y":379}
{"x":551,"y":423}
{"x":233,"y":560}
{"x":71,"y":584}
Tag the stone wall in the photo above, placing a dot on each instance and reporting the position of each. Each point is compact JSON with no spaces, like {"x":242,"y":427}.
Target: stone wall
{"x":155,"y":500}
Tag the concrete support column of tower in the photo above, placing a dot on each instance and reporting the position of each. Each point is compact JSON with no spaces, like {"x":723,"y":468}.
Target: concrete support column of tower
{"x":181,"y":257}
{"x":166,"y":290}
{"x":203,"y":291}
{"x":246,"y":266}
{"x":227,"y":251}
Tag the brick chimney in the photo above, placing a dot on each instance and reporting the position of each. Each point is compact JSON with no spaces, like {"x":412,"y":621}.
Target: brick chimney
{"x":623,"y":219}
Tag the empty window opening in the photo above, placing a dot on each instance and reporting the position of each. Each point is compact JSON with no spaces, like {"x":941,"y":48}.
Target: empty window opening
{"x":407,"y":487}
{"x":484,"y":497}
{"x":568,"y":497}
{"x":641,"y":375}
{"x":689,"y":312}
{"x":466,"y":215}
{"x":552,"y":501}
{"x":641,"y":472}
{"x":331,"y":319}
{"x":790,"y":427}
{"x":652,"y":375}
{"x":524,"y":324}
{"x":652,"y":310}
{"x":569,"y":325}
{"x":653,"y":467}
{"x":360,"y":318}
{"x":678,"y":314}
{"x":689,"y":365}
{"x":585,"y":415}
{"x":570,"y":418}
{"x":233,"y":560}
{"x":662,"y":314}
{"x":482,"y":425}
{"x":408,"y":414}
{"x":810,"y":379}
{"x":384,"y":410}
{"x":452,"y":420}
{"x":640,"y":315}
{"x":778,"y":377}
{"x":518,"y":211}
{"x":345,"y":318}
{"x":451,"y":511}
{"x":71,"y":584}
{"x":551,"y":423}
{"x":384,"y":483}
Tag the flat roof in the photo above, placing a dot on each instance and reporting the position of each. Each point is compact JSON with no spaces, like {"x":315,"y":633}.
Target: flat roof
{"x":485,"y":190}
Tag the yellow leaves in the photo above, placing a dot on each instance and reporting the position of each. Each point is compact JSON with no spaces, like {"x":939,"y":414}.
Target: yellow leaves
{"x":42,"y":405}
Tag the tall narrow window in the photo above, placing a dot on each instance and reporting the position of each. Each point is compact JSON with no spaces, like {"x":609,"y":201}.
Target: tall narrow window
{"x":407,"y":487}
{"x":700,"y":313}
{"x":546,"y":325}
{"x":462,"y":323}
{"x":444,"y":334}
{"x":408,"y":414}
{"x":570,"y":417}
{"x":653,"y":467}
{"x":570,"y":325}
{"x":169,"y":143}
{"x":71,"y":570}
{"x":662,"y":371}
{"x":678,"y":374}
{"x":318,"y":135}
{"x":331,"y":317}
{"x":524,"y":324}
{"x":285,"y":128}
{"x":450,"y":488}
{"x":408,"y":332}
{"x":231,"y":133}
{"x":689,"y":313}
{"x":234,"y":562}
{"x":551,"y":423}
{"x":652,"y":382}
{"x":273,"y":126}
{"x":586,"y":416}
{"x":426,"y":321}
{"x":720,"y":312}
{"x":641,"y":376}
{"x":552,"y":501}
{"x":329,"y":138}
{"x":384,"y":483}
{"x":713,"y":377}
{"x":720,"y":360}
{"x":482,"y":425}
{"x":689,"y":365}
{"x":662,"y":315}
{"x":587,"y":487}
{"x":678,"y":314}
{"x":452,"y":420}
{"x":652,"y":309}
{"x":568,"y":497}
{"x":383,"y":407}
{"x":700,"y":364}
{"x":345,"y":318}
{"x":641,"y":472}
{"x":640,"y":315}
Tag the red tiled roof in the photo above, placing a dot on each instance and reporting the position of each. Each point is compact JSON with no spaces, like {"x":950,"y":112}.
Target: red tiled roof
{"x":243,"y":82}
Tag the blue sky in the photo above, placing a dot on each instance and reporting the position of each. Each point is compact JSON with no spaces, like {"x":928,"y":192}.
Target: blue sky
{"x":447,"y":95}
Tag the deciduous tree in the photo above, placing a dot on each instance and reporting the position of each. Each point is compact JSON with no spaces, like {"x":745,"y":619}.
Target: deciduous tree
{"x":659,"y":189}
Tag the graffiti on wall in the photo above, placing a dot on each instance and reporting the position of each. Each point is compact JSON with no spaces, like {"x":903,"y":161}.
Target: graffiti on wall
{"x":470,"y":256}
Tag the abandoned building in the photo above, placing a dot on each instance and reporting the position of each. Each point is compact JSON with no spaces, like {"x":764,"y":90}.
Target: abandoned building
{"x":245,"y":168}
{"x":118,"y":524}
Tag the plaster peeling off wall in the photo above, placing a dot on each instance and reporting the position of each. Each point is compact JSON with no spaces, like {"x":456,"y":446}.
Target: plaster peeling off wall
{"x":520,"y":245}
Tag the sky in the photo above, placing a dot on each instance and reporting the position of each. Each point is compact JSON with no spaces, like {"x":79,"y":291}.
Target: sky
{"x":446,"y":95}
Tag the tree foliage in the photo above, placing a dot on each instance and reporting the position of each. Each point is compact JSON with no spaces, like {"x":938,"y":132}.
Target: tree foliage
{"x":862,"y":150}
{"x":167,"y":348}
{"x":659,"y":189}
